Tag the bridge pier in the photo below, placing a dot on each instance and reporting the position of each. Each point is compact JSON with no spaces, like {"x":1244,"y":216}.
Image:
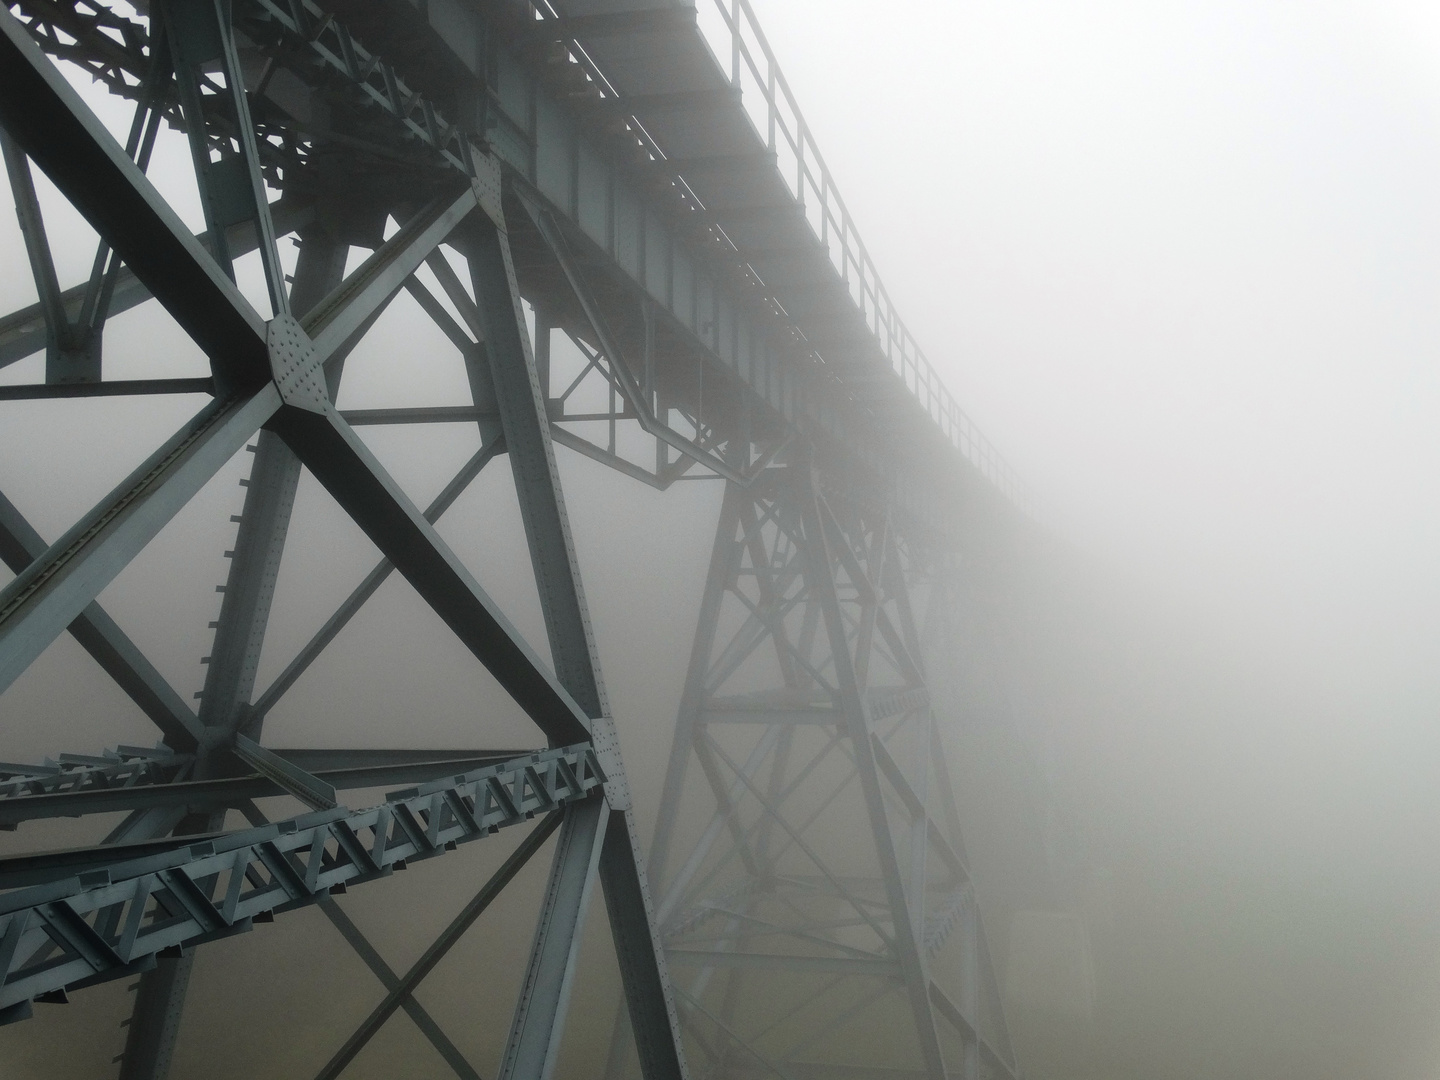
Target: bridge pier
{"x":815,"y":860}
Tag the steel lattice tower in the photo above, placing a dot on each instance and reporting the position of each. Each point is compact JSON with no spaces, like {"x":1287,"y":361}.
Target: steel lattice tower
{"x":639,"y":256}
{"x":858,"y":943}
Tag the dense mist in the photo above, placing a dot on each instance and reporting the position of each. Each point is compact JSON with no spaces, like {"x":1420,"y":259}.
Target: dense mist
{"x":1180,"y":262}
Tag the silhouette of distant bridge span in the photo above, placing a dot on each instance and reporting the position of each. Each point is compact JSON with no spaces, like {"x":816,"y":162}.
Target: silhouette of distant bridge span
{"x":617,"y":217}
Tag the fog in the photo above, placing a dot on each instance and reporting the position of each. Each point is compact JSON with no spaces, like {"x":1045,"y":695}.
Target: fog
{"x":1180,"y":262}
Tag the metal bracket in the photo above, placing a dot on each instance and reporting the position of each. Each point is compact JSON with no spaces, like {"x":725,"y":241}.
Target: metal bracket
{"x":607,"y":751}
{"x":308,"y":788}
{"x":295,"y":365}
{"x":488,"y":185}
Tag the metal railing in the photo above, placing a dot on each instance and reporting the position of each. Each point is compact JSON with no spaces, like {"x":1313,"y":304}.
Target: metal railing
{"x":768,"y":99}
{"x":777,"y":118}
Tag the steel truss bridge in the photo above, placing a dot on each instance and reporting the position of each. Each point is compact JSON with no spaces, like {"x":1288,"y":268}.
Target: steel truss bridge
{"x":615,"y":214}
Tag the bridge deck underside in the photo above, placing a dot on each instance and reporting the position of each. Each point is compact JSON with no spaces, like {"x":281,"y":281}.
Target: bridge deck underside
{"x":695,"y":114}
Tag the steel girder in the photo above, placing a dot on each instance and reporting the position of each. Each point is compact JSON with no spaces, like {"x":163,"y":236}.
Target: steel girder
{"x":144,"y":903}
{"x":816,"y":858}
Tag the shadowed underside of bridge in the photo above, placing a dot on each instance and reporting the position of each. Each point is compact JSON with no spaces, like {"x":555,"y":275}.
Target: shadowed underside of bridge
{"x":633,"y":250}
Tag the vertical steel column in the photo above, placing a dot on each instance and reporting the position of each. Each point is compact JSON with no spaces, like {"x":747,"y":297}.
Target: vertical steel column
{"x":969,"y":929}
{"x":717,"y":581}
{"x":821,"y":571}
{"x":232,"y":191}
{"x":539,"y":1022}
{"x":535,"y":1032}
{"x":970,"y":978}
{"x":230,"y":676}
{"x":643,"y":972}
{"x":260,"y":540}
{"x":155,"y":1021}
{"x":249,"y":587}
{"x":532,"y":459}
{"x":978,"y":982}
{"x":610,"y":847}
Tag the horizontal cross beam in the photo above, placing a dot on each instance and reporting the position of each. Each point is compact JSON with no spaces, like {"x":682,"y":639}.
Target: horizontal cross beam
{"x":136,"y":789}
{"x":115,"y":920}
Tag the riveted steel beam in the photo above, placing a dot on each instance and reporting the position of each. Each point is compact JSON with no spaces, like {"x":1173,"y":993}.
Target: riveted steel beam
{"x":157,"y":781}
{"x":612,"y":848}
{"x":107,"y":644}
{"x":115,"y":920}
{"x":59,"y":585}
{"x":533,"y":1046}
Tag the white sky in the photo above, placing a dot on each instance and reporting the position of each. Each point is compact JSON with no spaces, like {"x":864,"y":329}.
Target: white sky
{"x":1179,"y":260}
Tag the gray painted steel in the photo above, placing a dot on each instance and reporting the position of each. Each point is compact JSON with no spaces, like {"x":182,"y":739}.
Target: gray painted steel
{"x":217,"y":885}
{"x":592,"y":160}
